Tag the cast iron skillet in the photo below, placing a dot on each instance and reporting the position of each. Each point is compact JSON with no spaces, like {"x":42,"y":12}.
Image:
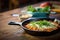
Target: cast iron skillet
{"x":35,"y":33}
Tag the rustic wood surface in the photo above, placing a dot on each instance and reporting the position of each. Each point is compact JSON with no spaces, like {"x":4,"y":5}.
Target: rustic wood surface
{"x":14,"y":32}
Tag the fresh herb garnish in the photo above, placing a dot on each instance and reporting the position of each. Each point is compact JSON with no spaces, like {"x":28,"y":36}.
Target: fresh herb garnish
{"x":32,"y":9}
{"x":42,"y":23}
{"x":45,"y":9}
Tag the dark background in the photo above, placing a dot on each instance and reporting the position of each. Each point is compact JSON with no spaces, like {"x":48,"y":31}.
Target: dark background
{"x":4,"y":4}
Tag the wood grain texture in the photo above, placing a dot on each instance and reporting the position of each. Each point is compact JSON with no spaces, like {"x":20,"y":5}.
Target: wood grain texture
{"x":14,"y":32}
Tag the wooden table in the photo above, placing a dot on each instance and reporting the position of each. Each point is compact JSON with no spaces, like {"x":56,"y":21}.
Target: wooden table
{"x":14,"y":32}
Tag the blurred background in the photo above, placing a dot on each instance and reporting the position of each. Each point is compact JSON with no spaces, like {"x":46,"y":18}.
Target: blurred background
{"x":6,"y":5}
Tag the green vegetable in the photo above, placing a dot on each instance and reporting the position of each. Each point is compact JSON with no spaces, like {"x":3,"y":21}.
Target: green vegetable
{"x":45,"y":9}
{"x":32,"y":9}
{"x":42,"y":23}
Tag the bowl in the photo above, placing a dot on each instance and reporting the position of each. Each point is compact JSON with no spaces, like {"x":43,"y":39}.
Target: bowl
{"x":39,"y":14}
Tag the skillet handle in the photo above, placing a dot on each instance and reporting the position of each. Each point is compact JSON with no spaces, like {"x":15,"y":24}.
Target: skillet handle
{"x":17,"y":23}
{"x":14,"y":23}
